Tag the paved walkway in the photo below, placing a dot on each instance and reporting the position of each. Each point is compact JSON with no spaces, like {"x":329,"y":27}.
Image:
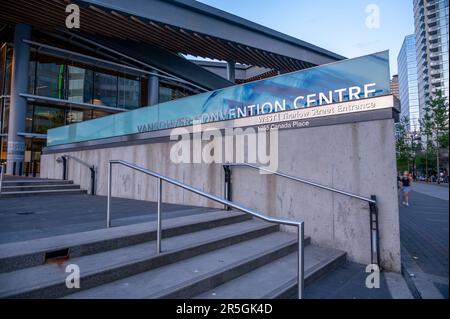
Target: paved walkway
{"x":23,"y":218}
{"x":348,"y":282}
{"x":433,"y":190}
{"x":424,"y":235}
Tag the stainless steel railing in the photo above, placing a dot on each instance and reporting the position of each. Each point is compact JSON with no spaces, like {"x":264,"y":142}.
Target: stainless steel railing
{"x":2,"y":168}
{"x":161,"y":178}
{"x":63,"y":159}
{"x":304,"y":181}
{"x":373,"y":208}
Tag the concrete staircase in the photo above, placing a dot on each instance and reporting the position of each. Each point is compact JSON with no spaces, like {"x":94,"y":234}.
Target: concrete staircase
{"x":28,"y":186}
{"x":220,"y":254}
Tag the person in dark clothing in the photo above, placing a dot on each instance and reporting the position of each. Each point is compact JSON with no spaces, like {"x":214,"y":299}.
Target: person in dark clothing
{"x":406,"y":187}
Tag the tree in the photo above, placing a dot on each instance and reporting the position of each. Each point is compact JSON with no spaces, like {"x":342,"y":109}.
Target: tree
{"x":426,"y":127}
{"x":436,"y":124}
{"x":401,"y":144}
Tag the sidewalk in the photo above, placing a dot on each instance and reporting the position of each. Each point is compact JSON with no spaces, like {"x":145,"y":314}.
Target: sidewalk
{"x":24,"y":218}
{"x":424,"y":231}
{"x":431,"y":189}
{"x":348,"y":282}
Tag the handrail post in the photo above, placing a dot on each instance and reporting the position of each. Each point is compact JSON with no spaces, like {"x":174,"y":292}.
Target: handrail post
{"x":227,"y":185}
{"x":92,"y":168}
{"x":64,"y":161}
{"x":158,"y":230}
{"x":108,"y":205}
{"x":2,"y":168}
{"x":300,"y":261}
{"x":374,"y":236}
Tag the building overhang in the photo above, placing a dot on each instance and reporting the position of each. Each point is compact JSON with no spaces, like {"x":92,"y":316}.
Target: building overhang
{"x":187,"y":27}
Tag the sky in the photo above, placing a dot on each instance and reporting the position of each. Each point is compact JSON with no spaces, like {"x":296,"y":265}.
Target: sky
{"x":335,"y":25}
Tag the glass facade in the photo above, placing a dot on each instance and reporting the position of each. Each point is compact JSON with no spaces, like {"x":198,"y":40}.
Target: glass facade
{"x":128,"y":93}
{"x":408,"y":84}
{"x":67,"y":80}
{"x":80,"y":84}
{"x":169,"y":92}
{"x":71,"y":81}
{"x":5,"y":87}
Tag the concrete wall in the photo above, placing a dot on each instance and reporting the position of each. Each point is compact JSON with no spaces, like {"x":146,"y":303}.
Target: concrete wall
{"x":357,"y":157}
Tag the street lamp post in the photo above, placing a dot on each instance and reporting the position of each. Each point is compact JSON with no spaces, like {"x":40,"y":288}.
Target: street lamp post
{"x":413,"y":136}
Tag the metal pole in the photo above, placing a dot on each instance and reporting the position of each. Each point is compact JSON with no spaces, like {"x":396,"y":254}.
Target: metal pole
{"x":108,"y":205}
{"x":2,"y":168}
{"x":64,"y":159}
{"x":92,"y":180}
{"x":158,"y":231}
{"x":375,"y":240}
{"x":301,"y":253}
{"x":227,"y":185}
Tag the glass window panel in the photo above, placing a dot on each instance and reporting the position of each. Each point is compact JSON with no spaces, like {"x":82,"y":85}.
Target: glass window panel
{"x":7,"y":71}
{"x":97,"y":114}
{"x":80,"y":83}
{"x":105,"y":89}
{"x":168,"y":92}
{"x":129,"y":93}
{"x":77,"y":115}
{"x":31,"y":74}
{"x":50,"y":79}
{"x":5,"y":115}
{"x":29,"y":118}
{"x":46,"y":117}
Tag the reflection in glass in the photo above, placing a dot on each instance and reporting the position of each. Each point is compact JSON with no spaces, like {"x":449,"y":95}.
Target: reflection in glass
{"x":79,"y":84}
{"x":77,"y":115}
{"x":50,"y":79}
{"x":29,"y":118}
{"x":105,"y":89}
{"x":97,"y":114}
{"x":47,"y":117}
{"x":129,"y":93}
{"x":169,"y":92}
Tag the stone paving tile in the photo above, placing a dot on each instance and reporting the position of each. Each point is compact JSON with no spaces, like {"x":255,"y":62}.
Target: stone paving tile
{"x":443,"y":289}
{"x":347,"y":282}
{"x":424,"y":231}
{"x":23,"y":218}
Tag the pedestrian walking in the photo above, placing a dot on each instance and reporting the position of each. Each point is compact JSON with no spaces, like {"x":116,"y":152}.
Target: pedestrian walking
{"x":406,"y":181}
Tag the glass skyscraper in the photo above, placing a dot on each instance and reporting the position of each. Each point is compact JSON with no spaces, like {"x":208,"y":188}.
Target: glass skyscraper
{"x":431,"y":29}
{"x":408,"y":84}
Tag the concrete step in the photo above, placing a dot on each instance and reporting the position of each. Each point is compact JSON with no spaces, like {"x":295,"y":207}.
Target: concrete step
{"x":26,"y":188}
{"x":30,"y":253}
{"x":42,"y":192}
{"x":278,"y":279}
{"x":195,"y":275}
{"x":48,"y":281}
{"x":35,"y":182}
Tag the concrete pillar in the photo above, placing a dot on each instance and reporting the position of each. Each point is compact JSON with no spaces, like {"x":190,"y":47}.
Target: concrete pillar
{"x":231,"y":70}
{"x":18,"y":106}
{"x":153,"y":89}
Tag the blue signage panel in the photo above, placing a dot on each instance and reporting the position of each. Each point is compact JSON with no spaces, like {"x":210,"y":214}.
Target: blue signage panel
{"x":347,"y":80}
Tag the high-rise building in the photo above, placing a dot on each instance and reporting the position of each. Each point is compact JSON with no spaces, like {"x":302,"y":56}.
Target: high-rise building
{"x":431,"y":29}
{"x":408,"y":84}
{"x":394,"y":86}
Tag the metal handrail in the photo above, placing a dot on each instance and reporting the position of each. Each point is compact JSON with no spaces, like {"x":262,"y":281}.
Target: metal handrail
{"x":373,"y":207}
{"x":64,"y":158}
{"x":369,"y":200}
{"x":2,"y":168}
{"x":160,"y":178}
